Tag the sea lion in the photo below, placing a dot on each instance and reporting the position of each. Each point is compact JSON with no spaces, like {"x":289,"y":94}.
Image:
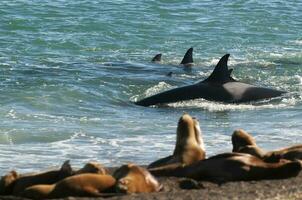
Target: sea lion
{"x":245,"y":143}
{"x":14,"y":183}
{"x":48,"y":177}
{"x":7,"y":183}
{"x":231,"y":167}
{"x":189,"y":146}
{"x":82,"y":185}
{"x":92,"y":167}
{"x":134,"y":179}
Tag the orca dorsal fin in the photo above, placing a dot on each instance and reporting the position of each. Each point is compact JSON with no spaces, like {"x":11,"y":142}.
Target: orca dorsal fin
{"x":188,"y":57}
{"x":221,"y":73}
{"x":156,"y":58}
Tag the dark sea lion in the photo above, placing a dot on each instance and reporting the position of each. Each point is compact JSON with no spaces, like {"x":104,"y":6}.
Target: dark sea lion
{"x":219,"y":86}
{"x":92,"y":167}
{"x":189,"y":146}
{"x":231,"y":167}
{"x":134,"y":179}
{"x":7,"y":183}
{"x":82,"y":185}
{"x":245,"y":143}
{"x":48,"y":177}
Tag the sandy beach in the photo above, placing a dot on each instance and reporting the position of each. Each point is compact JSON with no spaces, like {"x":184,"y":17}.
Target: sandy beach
{"x":182,"y":188}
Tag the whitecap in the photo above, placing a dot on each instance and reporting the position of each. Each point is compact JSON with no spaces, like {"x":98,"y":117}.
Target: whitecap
{"x":217,"y":106}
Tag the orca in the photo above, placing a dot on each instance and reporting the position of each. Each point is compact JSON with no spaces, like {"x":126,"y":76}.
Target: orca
{"x":187,"y":60}
{"x":156,"y":58}
{"x":219,"y":86}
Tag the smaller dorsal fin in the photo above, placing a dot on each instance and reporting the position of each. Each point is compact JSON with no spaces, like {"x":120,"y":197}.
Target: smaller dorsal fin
{"x":188,"y":57}
{"x":230,"y":77}
{"x":230,"y":71}
{"x":221,"y":73}
{"x":156,"y":58}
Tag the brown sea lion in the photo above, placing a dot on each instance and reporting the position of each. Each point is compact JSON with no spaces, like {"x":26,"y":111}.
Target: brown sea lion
{"x":189,"y":146}
{"x":134,"y":179}
{"x":92,"y":167}
{"x":245,"y":143}
{"x":82,"y":185}
{"x":14,"y":183}
{"x":231,"y":167}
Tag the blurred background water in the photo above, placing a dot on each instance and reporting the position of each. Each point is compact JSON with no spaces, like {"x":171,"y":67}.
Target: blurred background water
{"x":70,"y":69}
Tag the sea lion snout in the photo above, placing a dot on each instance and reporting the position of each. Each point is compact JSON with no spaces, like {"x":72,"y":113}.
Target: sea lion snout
{"x":134,"y":179}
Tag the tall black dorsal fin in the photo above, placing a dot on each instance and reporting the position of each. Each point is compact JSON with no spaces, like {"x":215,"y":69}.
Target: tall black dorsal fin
{"x":188,"y":57}
{"x":221,"y":73}
{"x":156,"y":58}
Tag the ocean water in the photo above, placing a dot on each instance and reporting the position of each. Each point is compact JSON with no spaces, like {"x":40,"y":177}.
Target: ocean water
{"x":69,"y":71}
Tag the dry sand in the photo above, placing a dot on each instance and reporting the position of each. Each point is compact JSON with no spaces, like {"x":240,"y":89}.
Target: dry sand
{"x":181,"y":188}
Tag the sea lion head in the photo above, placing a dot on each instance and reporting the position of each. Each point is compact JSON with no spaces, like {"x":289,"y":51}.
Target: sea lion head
{"x":185,"y":133}
{"x":7,"y":181}
{"x":189,"y":144}
{"x":134,"y":179}
{"x":241,"y":138}
{"x":92,"y":167}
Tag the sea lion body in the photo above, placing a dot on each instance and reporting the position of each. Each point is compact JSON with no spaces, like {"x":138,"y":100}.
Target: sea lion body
{"x":242,"y":143}
{"x":83,"y":185}
{"x":15,"y":184}
{"x":134,"y":179}
{"x":189,"y":146}
{"x":48,"y":177}
{"x":231,"y":167}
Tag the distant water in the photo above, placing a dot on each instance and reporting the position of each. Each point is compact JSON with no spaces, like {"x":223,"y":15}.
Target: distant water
{"x":70,"y":69}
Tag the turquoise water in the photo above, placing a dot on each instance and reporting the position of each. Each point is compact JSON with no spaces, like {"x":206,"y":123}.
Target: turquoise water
{"x":69,"y":71}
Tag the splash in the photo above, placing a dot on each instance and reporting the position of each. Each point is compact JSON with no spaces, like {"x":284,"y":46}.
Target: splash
{"x":217,"y":106}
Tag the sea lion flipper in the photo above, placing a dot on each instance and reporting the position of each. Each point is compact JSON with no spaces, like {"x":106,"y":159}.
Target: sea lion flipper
{"x":160,"y":162}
